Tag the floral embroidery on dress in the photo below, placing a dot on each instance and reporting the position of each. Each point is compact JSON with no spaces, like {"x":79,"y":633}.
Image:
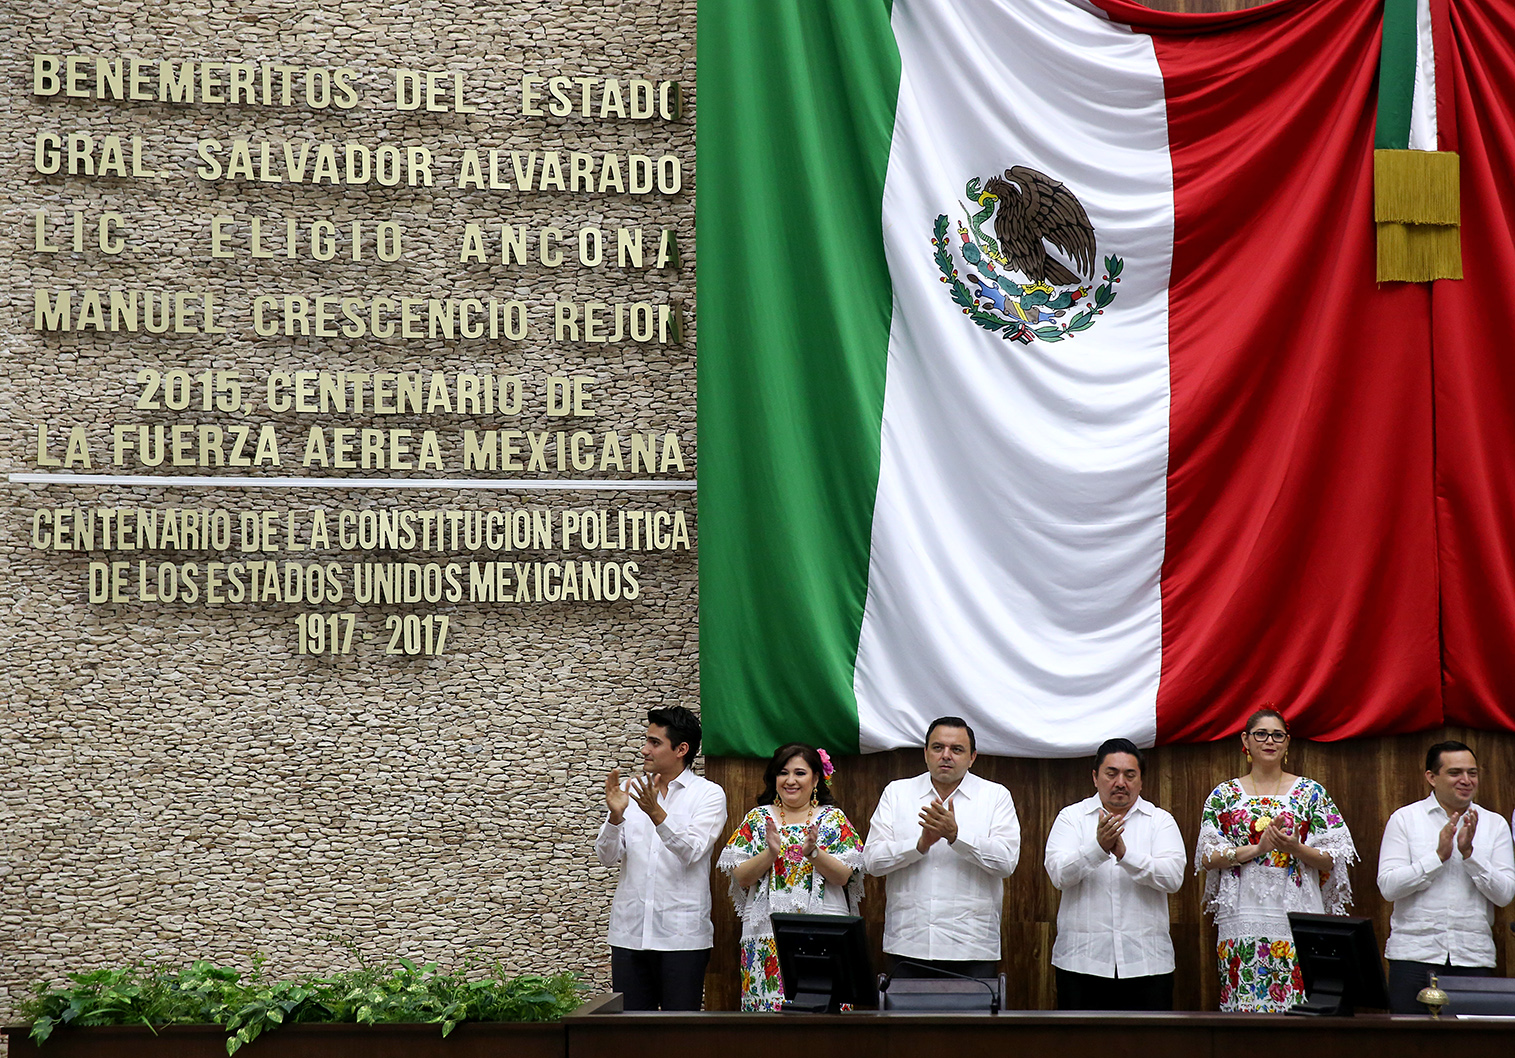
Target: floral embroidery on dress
{"x":1251,"y":901}
{"x":794,"y":885}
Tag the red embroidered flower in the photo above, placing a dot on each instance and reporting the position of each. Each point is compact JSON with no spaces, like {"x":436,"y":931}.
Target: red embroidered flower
{"x":1278,"y":993}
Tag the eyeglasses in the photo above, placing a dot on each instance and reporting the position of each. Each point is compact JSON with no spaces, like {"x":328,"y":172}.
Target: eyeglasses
{"x":1269,"y":736}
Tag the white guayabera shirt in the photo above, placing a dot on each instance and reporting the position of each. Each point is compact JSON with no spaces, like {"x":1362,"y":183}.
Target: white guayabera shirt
{"x":662,"y":902}
{"x":1443,"y":910}
{"x":1112,"y":920}
{"x":945,"y":904}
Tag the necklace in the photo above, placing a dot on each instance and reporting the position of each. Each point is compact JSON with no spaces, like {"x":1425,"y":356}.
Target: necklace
{"x":1278,"y":786}
{"x":784,"y":815}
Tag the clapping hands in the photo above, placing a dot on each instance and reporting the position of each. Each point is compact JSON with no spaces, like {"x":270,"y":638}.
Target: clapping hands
{"x":812,"y":846}
{"x":616,"y":799}
{"x":1465,"y":832}
{"x":771,"y":836}
{"x":1110,"y":833}
{"x":1458,"y":831}
{"x":938,"y":820}
{"x":1280,"y":837}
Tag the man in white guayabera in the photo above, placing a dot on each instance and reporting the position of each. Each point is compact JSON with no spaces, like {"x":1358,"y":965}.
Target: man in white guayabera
{"x":1115,"y":857}
{"x":944,"y":842}
{"x":662,"y":828}
{"x":1446,"y":864}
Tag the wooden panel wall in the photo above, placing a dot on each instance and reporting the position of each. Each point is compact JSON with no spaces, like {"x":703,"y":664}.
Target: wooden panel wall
{"x":1368,"y":778}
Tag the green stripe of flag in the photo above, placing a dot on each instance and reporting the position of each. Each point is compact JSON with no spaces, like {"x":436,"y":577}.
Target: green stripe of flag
{"x":796,"y":106}
{"x":1396,"y":76}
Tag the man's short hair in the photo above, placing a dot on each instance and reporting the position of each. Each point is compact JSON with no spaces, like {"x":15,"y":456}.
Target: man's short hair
{"x":682,"y":726}
{"x":1433,"y":755}
{"x":952,"y":721}
{"x":1120,"y":745}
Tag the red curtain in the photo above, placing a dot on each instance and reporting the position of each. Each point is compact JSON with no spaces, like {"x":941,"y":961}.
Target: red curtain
{"x":1473,"y":341}
{"x":1342,"y":478}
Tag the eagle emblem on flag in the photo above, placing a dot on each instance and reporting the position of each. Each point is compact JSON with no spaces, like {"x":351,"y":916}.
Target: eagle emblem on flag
{"x":1020,"y":289}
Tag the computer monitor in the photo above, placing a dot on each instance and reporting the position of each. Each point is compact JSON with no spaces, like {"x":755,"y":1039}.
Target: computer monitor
{"x":824,"y":962}
{"x":1339,"y":958}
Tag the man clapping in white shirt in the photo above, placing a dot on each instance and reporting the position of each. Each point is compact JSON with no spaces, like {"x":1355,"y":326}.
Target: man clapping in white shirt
{"x":1115,"y":857}
{"x":944,"y":842}
{"x":1446,"y":864}
{"x":662,"y":829}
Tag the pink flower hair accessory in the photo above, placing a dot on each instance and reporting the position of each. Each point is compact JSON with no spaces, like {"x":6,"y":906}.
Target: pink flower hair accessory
{"x":827,"y":768}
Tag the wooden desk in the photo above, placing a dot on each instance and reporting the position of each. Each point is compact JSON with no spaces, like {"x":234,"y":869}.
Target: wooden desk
{"x":595,"y":1032}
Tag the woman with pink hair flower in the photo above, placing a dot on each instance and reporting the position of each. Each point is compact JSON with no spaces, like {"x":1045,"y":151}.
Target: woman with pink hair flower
{"x":795,"y":852}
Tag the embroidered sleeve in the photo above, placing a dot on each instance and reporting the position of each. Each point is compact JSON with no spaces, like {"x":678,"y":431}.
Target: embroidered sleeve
{"x":1328,"y":832}
{"x":1217,"y":825}
{"x":838,"y":837}
{"x":745,"y":842}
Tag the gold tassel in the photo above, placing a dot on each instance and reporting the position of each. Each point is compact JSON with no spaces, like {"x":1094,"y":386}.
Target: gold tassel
{"x":1417,"y":202}
{"x":1418,"y":253}
{"x":1417,"y":187}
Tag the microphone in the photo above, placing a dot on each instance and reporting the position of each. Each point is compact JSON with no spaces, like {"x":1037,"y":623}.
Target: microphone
{"x":884,"y":980}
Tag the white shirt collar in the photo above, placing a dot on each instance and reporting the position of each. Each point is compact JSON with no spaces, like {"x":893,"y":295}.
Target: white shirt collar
{"x":1431,"y":804}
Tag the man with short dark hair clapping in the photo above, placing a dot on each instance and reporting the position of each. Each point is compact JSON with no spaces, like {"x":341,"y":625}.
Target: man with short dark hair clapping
{"x":662,"y":829}
{"x":1115,"y":857}
{"x":1446,"y":864}
{"x":944,"y":842}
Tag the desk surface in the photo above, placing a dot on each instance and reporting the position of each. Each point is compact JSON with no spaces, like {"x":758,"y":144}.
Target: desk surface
{"x":596,"y":1031}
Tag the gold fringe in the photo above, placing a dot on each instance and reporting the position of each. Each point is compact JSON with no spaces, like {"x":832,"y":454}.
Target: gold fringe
{"x":1416,"y":187}
{"x":1418,"y":253}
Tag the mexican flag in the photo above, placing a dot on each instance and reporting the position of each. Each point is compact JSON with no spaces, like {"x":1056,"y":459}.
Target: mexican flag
{"x":1045,"y":380}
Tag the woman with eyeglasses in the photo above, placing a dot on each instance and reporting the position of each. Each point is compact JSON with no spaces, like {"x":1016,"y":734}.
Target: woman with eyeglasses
{"x":1270,"y":842}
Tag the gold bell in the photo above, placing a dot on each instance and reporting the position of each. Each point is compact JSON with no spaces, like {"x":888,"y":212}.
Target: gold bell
{"x":1433,"y":997}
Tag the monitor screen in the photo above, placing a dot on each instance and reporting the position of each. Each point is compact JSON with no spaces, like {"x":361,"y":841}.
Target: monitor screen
{"x":824,"y":962}
{"x":1339,"y":958}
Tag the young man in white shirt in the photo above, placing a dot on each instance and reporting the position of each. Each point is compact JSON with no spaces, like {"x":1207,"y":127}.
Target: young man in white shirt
{"x":1446,"y":864}
{"x":944,"y":843}
{"x":1115,"y":857}
{"x":662,"y":829}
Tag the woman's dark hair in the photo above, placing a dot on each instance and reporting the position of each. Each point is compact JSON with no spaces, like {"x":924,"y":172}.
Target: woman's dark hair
{"x":1263,"y":714}
{"x":782,"y":756}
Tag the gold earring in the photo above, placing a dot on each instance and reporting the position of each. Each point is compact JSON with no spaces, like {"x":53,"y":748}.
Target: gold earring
{"x":778,"y":802}
{"x":1248,"y":752}
{"x":815,"y":797}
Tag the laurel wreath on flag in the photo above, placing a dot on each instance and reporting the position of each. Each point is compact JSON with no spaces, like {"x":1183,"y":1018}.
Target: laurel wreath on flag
{"x":983,"y":310}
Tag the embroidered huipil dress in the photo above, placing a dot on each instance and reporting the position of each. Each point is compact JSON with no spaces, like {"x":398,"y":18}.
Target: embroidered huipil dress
{"x":793,"y":885}
{"x":1251,"y":901}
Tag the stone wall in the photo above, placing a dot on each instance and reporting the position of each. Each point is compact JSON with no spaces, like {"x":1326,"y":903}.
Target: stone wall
{"x":178,"y":782}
